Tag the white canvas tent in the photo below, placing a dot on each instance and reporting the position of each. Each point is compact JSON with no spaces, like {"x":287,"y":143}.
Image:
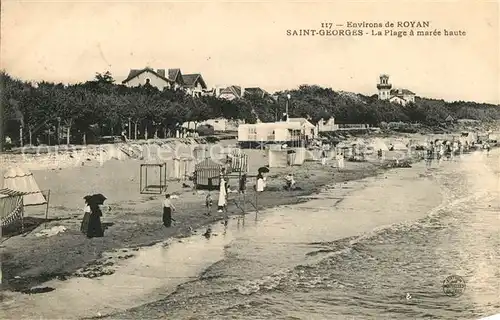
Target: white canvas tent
{"x":22,"y":180}
{"x":379,"y":144}
{"x":19,"y":190}
{"x":399,"y":145}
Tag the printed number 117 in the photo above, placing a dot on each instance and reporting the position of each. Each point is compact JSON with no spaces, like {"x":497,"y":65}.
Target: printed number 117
{"x":327,"y":25}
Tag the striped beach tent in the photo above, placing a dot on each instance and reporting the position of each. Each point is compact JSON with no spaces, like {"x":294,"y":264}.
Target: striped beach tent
{"x":11,"y":206}
{"x":207,"y":174}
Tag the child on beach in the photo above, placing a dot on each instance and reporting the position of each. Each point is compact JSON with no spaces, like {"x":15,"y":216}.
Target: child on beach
{"x":168,"y":208}
{"x":208,"y":204}
{"x":243,"y":184}
{"x":290,"y":182}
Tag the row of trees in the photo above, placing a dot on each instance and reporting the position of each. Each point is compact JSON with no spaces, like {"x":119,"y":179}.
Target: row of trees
{"x":96,"y":108}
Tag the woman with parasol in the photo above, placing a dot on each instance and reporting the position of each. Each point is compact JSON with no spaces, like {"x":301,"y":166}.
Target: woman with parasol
{"x":94,"y":228}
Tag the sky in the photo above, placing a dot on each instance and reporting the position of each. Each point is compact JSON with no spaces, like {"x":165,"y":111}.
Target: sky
{"x":246,"y":44}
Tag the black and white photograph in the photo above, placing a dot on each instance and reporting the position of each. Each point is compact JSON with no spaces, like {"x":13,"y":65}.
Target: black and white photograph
{"x":253,"y":160}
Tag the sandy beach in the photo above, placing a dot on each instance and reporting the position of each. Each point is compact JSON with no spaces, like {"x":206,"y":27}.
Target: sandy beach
{"x":64,"y":260}
{"x":134,"y":219}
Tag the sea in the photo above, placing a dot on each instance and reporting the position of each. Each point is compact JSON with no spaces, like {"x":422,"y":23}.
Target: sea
{"x":378,"y":248}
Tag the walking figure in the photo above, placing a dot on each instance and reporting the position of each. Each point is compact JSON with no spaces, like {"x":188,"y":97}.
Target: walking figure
{"x":168,"y":208}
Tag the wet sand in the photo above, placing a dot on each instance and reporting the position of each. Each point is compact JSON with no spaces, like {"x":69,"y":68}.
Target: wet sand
{"x":135,"y":219}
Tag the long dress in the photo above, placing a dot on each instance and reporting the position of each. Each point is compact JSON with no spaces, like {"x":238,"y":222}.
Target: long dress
{"x":95,"y":227}
{"x":167,"y":217}
{"x":261,"y":184}
{"x":222,"y":195}
{"x":86,"y":217}
{"x":340,"y":161}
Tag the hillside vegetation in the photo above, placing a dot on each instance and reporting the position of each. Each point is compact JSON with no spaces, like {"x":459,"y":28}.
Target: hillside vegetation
{"x":101,"y":108}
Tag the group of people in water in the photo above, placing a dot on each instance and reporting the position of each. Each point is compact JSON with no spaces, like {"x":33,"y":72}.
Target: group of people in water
{"x":440,"y":150}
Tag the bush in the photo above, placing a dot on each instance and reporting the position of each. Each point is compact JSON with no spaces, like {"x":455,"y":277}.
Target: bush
{"x":205,"y":130}
{"x":212,"y":139}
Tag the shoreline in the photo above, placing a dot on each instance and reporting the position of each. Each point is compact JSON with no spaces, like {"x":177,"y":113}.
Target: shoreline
{"x":71,"y":254}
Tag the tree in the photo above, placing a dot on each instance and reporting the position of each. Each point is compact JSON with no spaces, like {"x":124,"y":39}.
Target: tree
{"x":104,"y":78}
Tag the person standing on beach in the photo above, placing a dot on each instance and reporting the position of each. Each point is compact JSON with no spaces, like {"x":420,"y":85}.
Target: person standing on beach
{"x":222,"y":204}
{"x":94,"y":229}
{"x":323,"y":157}
{"x":340,"y":161}
{"x":168,"y":208}
{"x":86,"y":216}
{"x":261,"y":182}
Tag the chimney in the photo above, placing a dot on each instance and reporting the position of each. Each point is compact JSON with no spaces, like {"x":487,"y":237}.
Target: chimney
{"x":217,"y":92}
{"x":161,"y":72}
{"x":242,"y":91}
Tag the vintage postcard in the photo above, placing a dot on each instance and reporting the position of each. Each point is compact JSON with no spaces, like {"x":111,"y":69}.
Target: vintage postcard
{"x":249,"y":160}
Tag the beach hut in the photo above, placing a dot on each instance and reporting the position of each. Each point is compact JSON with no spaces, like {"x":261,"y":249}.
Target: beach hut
{"x":313,"y":154}
{"x":379,"y":144}
{"x":199,"y":153}
{"x":278,"y":158}
{"x":207,"y":174}
{"x":238,"y":161}
{"x":180,"y":168}
{"x":297,"y":156}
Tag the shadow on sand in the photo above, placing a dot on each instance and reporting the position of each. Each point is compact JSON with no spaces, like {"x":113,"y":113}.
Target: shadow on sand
{"x":26,"y":227}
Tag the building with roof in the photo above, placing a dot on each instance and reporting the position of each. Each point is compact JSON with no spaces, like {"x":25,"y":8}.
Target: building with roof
{"x":230,"y":93}
{"x":399,"y":95}
{"x":327,"y":125}
{"x":238,"y":92}
{"x":140,"y":77}
{"x":295,"y":131}
{"x":193,"y":84}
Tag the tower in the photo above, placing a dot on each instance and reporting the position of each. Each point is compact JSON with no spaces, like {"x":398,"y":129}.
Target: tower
{"x":384,"y":87}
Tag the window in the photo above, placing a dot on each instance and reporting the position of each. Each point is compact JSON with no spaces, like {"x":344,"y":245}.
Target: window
{"x":147,"y":81}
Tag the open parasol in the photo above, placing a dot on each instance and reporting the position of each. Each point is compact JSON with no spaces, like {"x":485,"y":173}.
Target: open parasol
{"x":98,"y":198}
{"x":263,"y":170}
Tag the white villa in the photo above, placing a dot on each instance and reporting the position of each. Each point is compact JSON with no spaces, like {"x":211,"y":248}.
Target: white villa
{"x":327,"y":125}
{"x":293,"y":130}
{"x":192,"y":84}
{"x":400,"y":96}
